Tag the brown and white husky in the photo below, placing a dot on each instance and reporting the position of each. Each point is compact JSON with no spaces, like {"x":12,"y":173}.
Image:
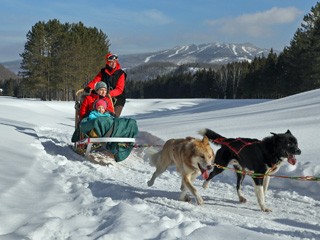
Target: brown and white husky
{"x":191,"y":157}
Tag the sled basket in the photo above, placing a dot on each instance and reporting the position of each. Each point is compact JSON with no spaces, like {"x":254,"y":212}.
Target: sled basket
{"x":85,"y":144}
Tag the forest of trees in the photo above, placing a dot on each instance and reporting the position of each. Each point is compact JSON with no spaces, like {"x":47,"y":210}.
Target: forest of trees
{"x":59,"y":59}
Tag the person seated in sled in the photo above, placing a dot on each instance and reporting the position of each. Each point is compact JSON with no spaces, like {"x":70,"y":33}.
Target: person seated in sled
{"x":100,"y":92}
{"x":105,"y":123}
{"x":100,"y":110}
{"x":115,"y":78}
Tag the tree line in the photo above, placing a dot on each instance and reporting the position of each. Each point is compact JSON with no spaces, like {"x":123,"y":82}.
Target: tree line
{"x":59,"y":59}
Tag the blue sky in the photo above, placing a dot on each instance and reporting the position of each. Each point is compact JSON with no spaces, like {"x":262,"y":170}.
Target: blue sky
{"x":135,"y":26}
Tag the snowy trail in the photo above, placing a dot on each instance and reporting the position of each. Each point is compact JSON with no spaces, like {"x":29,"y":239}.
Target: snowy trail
{"x":122,"y":191}
{"x":50,"y":192}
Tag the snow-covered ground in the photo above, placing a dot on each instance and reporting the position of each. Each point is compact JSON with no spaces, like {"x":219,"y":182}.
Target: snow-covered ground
{"x":49,"y":192}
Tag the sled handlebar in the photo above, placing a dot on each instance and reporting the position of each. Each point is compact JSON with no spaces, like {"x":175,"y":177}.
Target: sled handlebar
{"x":79,"y":91}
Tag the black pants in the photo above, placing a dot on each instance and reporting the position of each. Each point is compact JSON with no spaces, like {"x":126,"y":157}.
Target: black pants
{"x":118,"y":110}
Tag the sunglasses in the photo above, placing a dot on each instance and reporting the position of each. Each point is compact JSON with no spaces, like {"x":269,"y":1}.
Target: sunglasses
{"x":112,"y":57}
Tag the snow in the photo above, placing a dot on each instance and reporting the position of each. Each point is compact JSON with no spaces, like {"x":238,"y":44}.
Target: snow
{"x":234,"y":49}
{"x":181,"y":48}
{"x":246,"y":51}
{"x":148,"y":58}
{"x":49,"y":192}
{"x":217,"y":60}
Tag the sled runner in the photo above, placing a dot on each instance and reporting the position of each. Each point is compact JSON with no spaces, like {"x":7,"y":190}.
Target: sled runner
{"x":90,"y":141}
{"x":111,"y":137}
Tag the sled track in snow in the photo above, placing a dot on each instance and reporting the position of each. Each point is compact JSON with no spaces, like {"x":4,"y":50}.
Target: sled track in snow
{"x":294,"y":216}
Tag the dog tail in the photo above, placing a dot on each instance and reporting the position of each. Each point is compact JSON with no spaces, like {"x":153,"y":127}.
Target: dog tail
{"x":153,"y":155}
{"x":210,"y":134}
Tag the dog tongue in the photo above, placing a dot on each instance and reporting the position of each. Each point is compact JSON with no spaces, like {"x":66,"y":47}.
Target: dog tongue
{"x":292,"y":159}
{"x":205,"y":174}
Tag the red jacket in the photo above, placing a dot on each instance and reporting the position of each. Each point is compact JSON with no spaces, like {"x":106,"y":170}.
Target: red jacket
{"x":119,"y":86}
{"x":87,"y":104}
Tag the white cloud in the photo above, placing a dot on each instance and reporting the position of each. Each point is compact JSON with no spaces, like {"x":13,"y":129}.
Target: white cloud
{"x":256,"y":24}
{"x":152,"y":17}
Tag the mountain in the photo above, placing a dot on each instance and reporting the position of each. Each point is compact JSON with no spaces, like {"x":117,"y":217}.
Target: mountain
{"x":6,"y":74}
{"x":13,"y":66}
{"x":187,"y":58}
{"x":148,"y":71}
{"x":212,"y":53}
{"x":145,"y":66}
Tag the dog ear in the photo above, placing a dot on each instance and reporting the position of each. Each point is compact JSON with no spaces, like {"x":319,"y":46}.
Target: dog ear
{"x":275,"y":135}
{"x":288,"y":132}
{"x":205,"y":140}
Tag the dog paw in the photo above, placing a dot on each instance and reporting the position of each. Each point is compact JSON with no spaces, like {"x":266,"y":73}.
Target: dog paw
{"x":242,"y":200}
{"x":205,"y":184}
{"x":150,"y":183}
{"x":188,"y":199}
{"x":267,"y":210}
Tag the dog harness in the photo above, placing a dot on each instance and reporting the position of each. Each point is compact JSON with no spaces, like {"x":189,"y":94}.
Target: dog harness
{"x":234,"y":145}
{"x":238,"y":145}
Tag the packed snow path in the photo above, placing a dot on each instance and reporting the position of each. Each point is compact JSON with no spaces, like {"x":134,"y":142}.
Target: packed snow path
{"x":50,"y":192}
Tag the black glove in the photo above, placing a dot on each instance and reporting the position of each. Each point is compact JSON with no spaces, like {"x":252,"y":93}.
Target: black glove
{"x":87,"y":89}
{"x":113,"y":114}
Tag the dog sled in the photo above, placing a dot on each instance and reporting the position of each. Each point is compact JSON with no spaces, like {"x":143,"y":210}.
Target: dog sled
{"x":103,"y":139}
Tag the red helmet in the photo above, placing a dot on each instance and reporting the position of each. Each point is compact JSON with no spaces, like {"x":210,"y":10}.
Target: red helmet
{"x":111,"y":57}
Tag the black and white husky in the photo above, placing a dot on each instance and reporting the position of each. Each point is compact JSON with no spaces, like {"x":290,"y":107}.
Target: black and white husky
{"x":253,"y":155}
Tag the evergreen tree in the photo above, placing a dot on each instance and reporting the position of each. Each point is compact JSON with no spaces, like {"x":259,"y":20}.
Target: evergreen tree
{"x":33,"y":61}
{"x":8,"y":88}
{"x":270,"y":81}
{"x":60,"y":58}
{"x":302,"y":56}
{"x":312,"y":26}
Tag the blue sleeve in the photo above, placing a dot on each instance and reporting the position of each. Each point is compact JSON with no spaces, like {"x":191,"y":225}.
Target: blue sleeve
{"x":93,"y":115}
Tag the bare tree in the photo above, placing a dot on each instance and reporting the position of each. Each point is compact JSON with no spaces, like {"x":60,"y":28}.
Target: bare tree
{"x":222,"y":80}
{"x":235,"y":70}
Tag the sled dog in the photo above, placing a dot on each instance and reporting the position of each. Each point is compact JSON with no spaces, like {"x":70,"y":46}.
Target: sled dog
{"x":262,"y":157}
{"x":191,"y":157}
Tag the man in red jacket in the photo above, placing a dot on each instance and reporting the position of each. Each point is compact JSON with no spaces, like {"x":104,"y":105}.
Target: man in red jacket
{"x":99,"y":93}
{"x":115,"y":78}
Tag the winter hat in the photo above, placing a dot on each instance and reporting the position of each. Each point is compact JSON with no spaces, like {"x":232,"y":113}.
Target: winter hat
{"x":100,"y":85}
{"x":111,"y":56}
{"x":102,"y":103}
